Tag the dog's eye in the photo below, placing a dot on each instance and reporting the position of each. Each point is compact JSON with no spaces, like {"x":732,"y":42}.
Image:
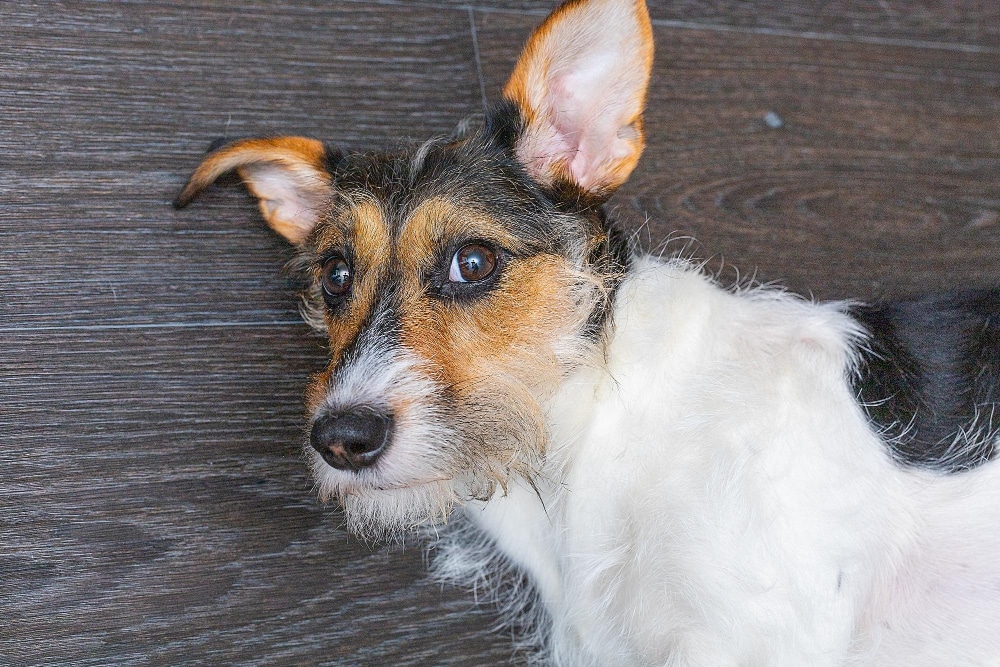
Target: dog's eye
{"x":336,"y":276}
{"x":471,"y":263}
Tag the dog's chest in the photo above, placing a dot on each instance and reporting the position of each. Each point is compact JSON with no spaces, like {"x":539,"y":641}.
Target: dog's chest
{"x":714,"y":483}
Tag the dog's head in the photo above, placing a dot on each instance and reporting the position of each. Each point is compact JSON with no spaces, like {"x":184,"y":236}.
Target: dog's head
{"x":460,"y":281}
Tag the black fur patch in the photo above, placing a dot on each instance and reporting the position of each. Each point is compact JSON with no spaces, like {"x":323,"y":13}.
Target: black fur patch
{"x":480,"y":170}
{"x":929,"y":377}
{"x":380,"y":328}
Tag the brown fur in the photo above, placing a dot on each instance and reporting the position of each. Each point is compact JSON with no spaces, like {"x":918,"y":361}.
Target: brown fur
{"x":465,"y":341}
{"x":365,"y":231}
{"x":300,"y":159}
{"x":463,"y":371}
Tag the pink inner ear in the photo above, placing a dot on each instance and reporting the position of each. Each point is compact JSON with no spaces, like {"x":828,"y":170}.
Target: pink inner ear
{"x":285,"y":199}
{"x":290,"y":197}
{"x":581,"y":84}
{"x":589,"y":128}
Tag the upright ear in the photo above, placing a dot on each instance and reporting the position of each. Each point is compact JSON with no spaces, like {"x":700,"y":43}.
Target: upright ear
{"x":288,"y":175}
{"x":581,"y":87}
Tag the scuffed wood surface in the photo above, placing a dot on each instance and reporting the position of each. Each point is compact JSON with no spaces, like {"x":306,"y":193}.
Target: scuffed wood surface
{"x":962,"y":25}
{"x":883,"y":178}
{"x":154,"y":504}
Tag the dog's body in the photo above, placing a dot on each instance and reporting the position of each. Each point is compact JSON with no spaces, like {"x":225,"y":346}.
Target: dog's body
{"x":686,"y":475}
{"x":714,"y":495}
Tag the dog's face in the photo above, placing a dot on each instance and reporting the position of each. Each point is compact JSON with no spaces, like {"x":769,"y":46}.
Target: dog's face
{"x":460,"y":281}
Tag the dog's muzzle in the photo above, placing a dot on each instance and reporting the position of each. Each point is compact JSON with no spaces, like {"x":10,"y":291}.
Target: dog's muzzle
{"x":351,"y":440}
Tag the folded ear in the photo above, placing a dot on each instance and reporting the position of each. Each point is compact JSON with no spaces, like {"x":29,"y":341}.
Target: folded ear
{"x":581,"y":87}
{"x":288,"y":175}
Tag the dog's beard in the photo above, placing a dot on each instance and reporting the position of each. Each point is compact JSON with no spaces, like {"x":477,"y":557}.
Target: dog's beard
{"x":411,"y":484}
{"x":383,"y":515}
{"x":440,"y":457}
{"x":456,"y":443}
{"x":503,"y":431}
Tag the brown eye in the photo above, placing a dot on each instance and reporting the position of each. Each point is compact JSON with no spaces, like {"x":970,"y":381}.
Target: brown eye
{"x":336,"y":276}
{"x":471,"y":263}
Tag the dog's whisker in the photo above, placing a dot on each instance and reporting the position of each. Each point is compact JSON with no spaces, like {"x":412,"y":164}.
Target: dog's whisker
{"x":651,"y":458}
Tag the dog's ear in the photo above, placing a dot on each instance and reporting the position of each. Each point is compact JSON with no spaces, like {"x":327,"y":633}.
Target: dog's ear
{"x":288,"y":175}
{"x":580,"y":85}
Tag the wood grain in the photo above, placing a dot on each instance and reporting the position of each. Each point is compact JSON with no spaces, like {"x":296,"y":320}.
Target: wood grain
{"x":156,"y":508}
{"x":154,"y":505}
{"x":881,"y":180}
{"x":112,"y":105}
{"x":964,"y":25}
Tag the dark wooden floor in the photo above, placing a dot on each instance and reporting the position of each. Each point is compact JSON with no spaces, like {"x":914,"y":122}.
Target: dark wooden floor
{"x":154,"y":506}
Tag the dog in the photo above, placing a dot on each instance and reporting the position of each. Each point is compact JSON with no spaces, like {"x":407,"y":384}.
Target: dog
{"x":681,"y":473}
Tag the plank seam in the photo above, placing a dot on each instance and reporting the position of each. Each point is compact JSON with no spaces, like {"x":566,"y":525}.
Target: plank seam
{"x":717,"y":27}
{"x":152,"y":325}
{"x":475,"y":51}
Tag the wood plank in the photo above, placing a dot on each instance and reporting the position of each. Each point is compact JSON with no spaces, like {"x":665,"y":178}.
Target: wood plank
{"x":965,"y":25}
{"x":156,"y":506}
{"x":882,"y":179}
{"x":110,"y":106}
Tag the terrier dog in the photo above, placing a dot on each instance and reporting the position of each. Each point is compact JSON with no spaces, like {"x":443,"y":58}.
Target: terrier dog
{"x":685,"y":474}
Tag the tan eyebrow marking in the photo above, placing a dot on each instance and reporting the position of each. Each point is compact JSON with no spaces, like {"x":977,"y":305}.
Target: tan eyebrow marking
{"x":439,"y":220}
{"x":371,"y":248}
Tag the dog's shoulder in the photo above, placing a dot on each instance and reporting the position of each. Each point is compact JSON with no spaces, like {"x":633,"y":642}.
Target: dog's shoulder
{"x":675,"y":308}
{"x":926,"y":372}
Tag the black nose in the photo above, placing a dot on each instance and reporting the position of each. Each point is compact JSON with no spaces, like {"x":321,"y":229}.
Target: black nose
{"x":351,"y":440}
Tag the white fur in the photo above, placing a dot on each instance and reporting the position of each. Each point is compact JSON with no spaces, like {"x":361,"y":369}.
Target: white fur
{"x":409,"y":486}
{"x":713,"y":495}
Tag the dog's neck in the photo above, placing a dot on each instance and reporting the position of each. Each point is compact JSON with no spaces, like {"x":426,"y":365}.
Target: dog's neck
{"x":591,"y":387}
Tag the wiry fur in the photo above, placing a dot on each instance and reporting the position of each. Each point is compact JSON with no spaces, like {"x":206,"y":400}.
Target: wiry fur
{"x":459,"y":442}
{"x":645,"y":468}
{"x":463,"y":555}
{"x":714,"y":495}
